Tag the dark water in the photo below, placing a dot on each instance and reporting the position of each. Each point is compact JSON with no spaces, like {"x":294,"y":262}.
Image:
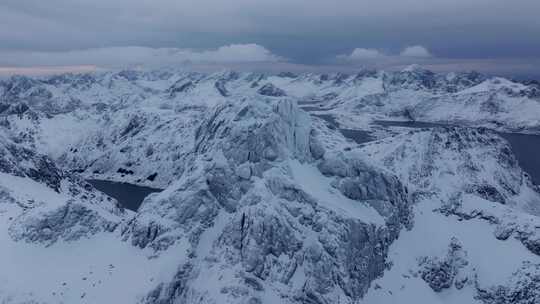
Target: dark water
{"x":358,"y":136}
{"x":527,"y":150}
{"x":526,"y":147}
{"x":128,"y":195}
{"x":332,"y":123}
{"x":312,"y":108}
{"x":409,"y":124}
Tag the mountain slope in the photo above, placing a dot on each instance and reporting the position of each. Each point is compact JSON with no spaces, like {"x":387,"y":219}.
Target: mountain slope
{"x":474,"y":208}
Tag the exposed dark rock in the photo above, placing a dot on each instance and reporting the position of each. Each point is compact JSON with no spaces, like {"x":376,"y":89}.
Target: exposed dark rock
{"x":441,"y":274}
{"x":271,"y":90}
{"x":523,"y":287}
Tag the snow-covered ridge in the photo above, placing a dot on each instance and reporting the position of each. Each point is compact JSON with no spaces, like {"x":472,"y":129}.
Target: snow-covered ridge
{"x":46,"y":203}
{"x":470,"y":195}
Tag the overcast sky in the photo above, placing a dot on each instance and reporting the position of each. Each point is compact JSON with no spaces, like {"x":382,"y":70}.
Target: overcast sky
{"x":495,"y":36}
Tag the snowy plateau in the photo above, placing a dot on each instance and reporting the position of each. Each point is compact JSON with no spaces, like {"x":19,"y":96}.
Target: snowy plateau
{"x":265,"y":200}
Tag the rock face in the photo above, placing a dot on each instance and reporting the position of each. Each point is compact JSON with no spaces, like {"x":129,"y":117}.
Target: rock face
{"x":21,"y":162}
{"x":485,"y":159}
{"x":262,"y":228}
{"x":271,"y":90}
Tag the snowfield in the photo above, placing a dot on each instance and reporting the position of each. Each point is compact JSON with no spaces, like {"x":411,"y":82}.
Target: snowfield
{"x":263,"y":202}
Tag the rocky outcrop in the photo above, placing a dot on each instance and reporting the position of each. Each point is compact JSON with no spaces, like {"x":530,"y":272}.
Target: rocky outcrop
{"x":68,"y":222}
{"x":180,"y":87}
{"x":23,"y":162}
{"x":271,"y":90}
{"x":444,"y":273}
{"x":246,"y":216}
{"x":522,"y":288}
{"x":361,"y":182}
{"x":51,"y":204}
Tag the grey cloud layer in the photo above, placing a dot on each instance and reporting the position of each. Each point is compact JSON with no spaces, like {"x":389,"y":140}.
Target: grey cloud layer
{"x":306,"y":31}
{"x":118,"y":57}
{"x":362,"y":54}
{"x":65,"y":24}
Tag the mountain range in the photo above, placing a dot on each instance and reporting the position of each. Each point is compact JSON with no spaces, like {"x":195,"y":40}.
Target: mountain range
{"x":264,"y":199}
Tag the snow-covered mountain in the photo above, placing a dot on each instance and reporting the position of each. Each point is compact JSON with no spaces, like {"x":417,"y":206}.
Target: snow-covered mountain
{"x":108,"y":125}
{"x":263,"y":203}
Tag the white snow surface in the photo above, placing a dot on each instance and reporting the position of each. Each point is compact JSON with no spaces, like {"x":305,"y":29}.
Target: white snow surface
{"x":314,"y":183}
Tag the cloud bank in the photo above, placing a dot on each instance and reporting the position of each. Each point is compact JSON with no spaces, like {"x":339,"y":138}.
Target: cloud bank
{"x":245,"y":57}
{"x":362,"y":54}
{"x":119,"y":57}
{"x":416,"y":51}
{"x":307,"y":32}
{"x":409,"y":53}
{"x":360,"y":58}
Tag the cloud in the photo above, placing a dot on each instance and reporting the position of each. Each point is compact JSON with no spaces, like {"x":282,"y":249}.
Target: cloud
{"x":417,"y":51}
{"x":475,"y":27}
{"x":118,"y":57}
{"x":410,"y":54}
{"x":308,"y":32}
{"x":420,"y":56}
{"x":362,"y":54}
{"x":236,"y":53}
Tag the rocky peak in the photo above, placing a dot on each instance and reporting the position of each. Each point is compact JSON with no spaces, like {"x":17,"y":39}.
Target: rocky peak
{"x":246,"y":207}
{"x":271,"y":90}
